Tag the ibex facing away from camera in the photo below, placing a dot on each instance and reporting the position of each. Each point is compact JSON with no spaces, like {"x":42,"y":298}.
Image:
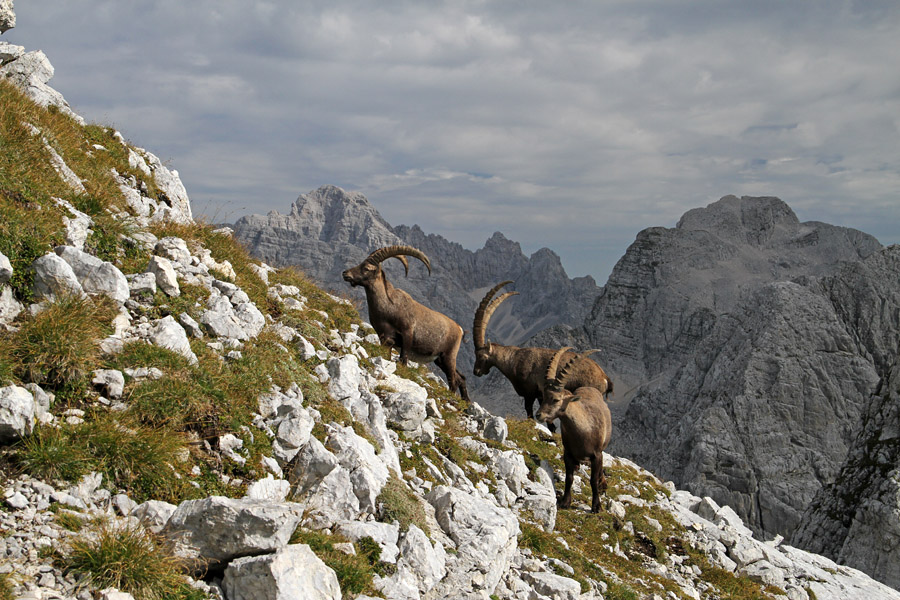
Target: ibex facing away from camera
{"x":421,"y":334}
{"x":526,"y":368}
{"x":586,"y":425}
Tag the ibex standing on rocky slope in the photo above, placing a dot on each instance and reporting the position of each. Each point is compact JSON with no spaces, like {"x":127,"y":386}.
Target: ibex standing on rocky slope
{"x":586,"y":426}
{"x":526,"y":367}
{"x":421,"y":334}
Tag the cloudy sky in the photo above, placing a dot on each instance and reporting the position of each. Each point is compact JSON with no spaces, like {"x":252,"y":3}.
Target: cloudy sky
{"x":571,"y":125}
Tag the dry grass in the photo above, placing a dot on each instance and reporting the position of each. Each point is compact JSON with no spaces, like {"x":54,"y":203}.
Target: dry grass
{"x":130,"y":559}
{"x":58,"y":347}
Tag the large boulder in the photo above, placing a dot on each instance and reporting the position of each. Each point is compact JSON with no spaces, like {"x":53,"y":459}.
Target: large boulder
{"x":96,"y":276}
{"x":219,"y":529}
{"x":54,"y":277}
{"x":292,"y":573}
{"x":169,"y":334}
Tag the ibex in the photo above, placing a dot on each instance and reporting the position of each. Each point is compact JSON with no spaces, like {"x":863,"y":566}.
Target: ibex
{"x":421,"y":334}
{"x":526,"y":367}
{"x":586,"y":425}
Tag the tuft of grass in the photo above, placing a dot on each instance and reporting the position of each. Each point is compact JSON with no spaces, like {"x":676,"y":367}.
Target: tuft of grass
{"x":6,"y":587}
{"x":130,"y":559}
{"x":398,"y":503}
{"x":354,"y":572}
{"x":141,"y":460}
{"x":58,"y":346}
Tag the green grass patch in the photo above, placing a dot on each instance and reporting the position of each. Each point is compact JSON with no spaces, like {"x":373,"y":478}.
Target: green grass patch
{"x":354,"y":571}
{"x":59,"y":346}
{"x":6,"y":587}
{"x":143,"y":461}
{"x":130,"y":559}
{"x":399,"y":503}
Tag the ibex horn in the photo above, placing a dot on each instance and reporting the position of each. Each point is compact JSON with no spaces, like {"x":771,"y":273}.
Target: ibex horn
{"x":485,"y":310}
{"x":400,"y":253}
{"x":564,"y":373}
{"x":554,"y":363}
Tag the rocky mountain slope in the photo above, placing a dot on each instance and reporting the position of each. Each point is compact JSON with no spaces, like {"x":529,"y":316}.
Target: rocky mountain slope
{"x":329,"y":230}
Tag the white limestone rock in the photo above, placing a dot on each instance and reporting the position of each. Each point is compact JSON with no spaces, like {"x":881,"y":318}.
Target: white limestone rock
{"x":30,"y":72}
{"x":167,"y":333}
{"x":142,"y":284}
{"x":164,"y":272}
{"x":6,"y":269}
{"x":386,"y":534}
{"x":427,"y":562}
{"x":552,"y":585}
{"x":153,"y":514}
{"x":94,"y":275}
{"x":219,"y":529}
{"x":292,"y":433}
{"x":7,"y":15}
{"x":54,"y":277}
{"x":293,"y":572}
{"x":17,"y":410}
{"x":10,"y":308}
{"x":495,"y":429}
{"x":268,"y":489}
{"x":78,"y":226}
{"x":405,"y":408}
{"x":485,"y":536}
{"x":173,"y":248}
{"x":111,"y":382}
{"x":355,"y":454}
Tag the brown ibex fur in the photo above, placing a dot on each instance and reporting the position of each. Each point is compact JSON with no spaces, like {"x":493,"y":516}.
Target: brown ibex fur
{"x":526,"y":368}
{"x":420,"y":333}
{"x":586,"y":426}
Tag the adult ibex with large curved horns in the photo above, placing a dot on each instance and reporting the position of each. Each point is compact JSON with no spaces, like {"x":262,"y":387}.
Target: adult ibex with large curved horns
{"x":585,"y":422}
{"x":526,"y":367}
{"x":421,"y":334}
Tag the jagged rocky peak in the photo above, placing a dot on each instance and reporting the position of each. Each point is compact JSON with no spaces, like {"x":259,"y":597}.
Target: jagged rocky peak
{"x":664,"y":295}
{"x":754,"y":220}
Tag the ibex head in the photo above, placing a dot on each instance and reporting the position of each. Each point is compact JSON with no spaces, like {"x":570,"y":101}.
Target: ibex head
{"x":487,"y":307}
{"x":556,"y":397}
{"x":368,"y":270}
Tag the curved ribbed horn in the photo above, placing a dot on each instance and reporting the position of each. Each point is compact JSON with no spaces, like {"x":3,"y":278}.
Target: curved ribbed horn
{"x":563,"y":374}
{"x":397,"y":252}
{"x":554,"y":363}
{"x":485,"y":310}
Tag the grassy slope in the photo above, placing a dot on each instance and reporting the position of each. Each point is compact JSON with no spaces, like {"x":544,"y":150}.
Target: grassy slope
{"x":154,"y":448}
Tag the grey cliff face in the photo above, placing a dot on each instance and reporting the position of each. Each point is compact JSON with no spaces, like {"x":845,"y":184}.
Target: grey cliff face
{"x":329,"y":229}
{"x":856,"y":519}
{"x":754,"y":341}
